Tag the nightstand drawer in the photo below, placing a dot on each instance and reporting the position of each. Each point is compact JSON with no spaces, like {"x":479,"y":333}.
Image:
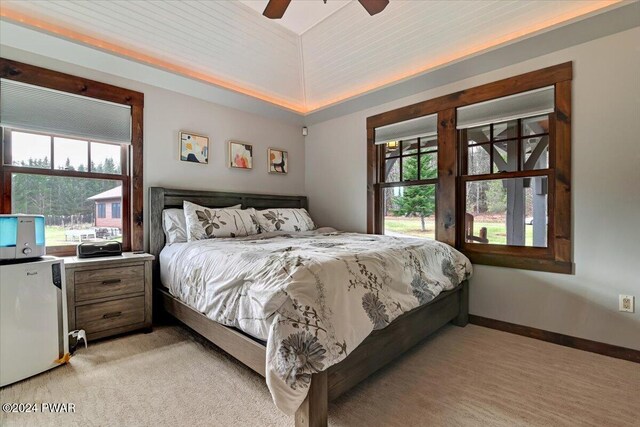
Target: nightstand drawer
{"x":107,"y":274}
{"x":108,"y":288}
{"x":109,"y":296}
{"x":111,"y":314}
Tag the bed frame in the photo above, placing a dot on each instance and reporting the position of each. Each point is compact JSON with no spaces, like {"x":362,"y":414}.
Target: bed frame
{"x":378,"y":349}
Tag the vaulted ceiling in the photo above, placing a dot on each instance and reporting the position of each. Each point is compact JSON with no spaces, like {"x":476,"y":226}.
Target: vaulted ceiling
{"x":310,"y":60}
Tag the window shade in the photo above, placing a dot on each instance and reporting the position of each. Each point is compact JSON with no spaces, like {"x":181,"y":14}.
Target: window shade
{"x":526,"y":104}
{"x":409,"y":129}
{"x":35,"y":108}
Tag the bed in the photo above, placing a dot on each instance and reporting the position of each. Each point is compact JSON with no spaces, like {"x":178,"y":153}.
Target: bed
{"x":360,"y":340}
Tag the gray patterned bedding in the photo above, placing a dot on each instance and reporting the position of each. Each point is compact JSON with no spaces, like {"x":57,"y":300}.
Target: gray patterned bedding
{"x":313,"y":296}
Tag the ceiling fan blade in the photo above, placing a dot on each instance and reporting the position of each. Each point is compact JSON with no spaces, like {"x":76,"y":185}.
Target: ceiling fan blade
{"x":276,"y":8}
{"x":373,"y":6}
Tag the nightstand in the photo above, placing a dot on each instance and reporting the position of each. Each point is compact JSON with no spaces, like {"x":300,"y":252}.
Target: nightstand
{"x":110,"y":295}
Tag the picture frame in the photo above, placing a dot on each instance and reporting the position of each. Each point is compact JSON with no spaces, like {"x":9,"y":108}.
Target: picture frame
{"x":193,"y":148}
{"x":277,"y":161}
{"x":240,"y":155}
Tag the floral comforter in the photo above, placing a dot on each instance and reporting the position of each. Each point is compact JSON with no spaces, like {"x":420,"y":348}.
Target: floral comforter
{"x":313,"y":296}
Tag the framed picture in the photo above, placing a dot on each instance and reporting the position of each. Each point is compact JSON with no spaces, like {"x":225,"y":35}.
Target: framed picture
{"x":278,"y":161}
{"x":194,"y":148}
{"x":240,"y":155}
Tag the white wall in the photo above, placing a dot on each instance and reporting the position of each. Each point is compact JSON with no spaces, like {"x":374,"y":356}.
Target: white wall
{"x":166,"y":113}
{"x":606,"y":196}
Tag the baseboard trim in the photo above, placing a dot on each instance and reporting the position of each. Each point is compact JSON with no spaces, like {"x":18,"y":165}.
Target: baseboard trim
{"x":556,"y":338}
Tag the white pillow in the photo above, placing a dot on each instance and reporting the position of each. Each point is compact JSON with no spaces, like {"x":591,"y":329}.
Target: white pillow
{"x":290,"y":220}
{"x":174,"y":225}
{"x":205,"y":223}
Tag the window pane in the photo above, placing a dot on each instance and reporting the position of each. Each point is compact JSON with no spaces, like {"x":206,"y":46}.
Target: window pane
{"x":428,"y":143}
{"x":477,"y":196}
{"x":505,"y":156}
{"x":505,"y":130}
{"x":409,"y":146}
{"x":478,"y":161}
{"x":478,"y":135}
{"x":392,"y":149}
{"x":69,"y":206}
{"x":410,"y":168}
{"x":28,"y":149}
{"x":536,"y":153}
{"x":507,"y":212}
{"x":410,"y":211}
{"x":429,"y":165}
{"x":392,"y":170}
{"x":105,"y":158}
{"x":70,"y":154}
{"x":535,"y":125}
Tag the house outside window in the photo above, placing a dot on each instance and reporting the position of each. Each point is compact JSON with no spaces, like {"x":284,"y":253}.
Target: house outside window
{"x":108,"y":222}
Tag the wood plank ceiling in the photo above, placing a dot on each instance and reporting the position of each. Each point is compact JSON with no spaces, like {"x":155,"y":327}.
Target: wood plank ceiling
{"x":344,"y":55}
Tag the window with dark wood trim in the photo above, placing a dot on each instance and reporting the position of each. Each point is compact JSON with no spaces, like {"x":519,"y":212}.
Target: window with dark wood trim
{"x":409,"y":171}
{"x":521,"y":164}
{"x":99,"y":165}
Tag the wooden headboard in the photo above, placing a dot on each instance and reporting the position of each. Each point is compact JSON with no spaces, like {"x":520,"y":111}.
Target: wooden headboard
{"x":161,"y":198}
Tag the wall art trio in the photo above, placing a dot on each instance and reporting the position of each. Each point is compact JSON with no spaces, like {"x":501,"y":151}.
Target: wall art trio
{"x":194,"y":148}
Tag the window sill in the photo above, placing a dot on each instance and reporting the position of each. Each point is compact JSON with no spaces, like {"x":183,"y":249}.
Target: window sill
{"x":519,"y":262}
{"x":61,"y":251}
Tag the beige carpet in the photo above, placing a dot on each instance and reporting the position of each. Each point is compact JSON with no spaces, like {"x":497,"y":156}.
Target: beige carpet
{"x":469,"y":376}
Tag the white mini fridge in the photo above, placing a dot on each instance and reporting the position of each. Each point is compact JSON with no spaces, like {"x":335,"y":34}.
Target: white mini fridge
{"x":33,"y":318}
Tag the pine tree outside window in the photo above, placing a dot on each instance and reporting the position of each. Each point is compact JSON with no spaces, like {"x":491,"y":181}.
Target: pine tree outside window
{"x":410,"y":170}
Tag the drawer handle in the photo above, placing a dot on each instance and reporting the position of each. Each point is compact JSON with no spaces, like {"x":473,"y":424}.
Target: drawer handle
{"x":111,"y":281}
{"x":112,"y":315}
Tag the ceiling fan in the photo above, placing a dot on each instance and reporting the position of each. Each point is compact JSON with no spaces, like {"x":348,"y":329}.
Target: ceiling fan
{"x":275,"y":8}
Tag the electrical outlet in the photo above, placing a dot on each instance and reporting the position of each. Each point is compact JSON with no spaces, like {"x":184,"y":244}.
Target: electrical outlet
{"x":627,"y":303}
